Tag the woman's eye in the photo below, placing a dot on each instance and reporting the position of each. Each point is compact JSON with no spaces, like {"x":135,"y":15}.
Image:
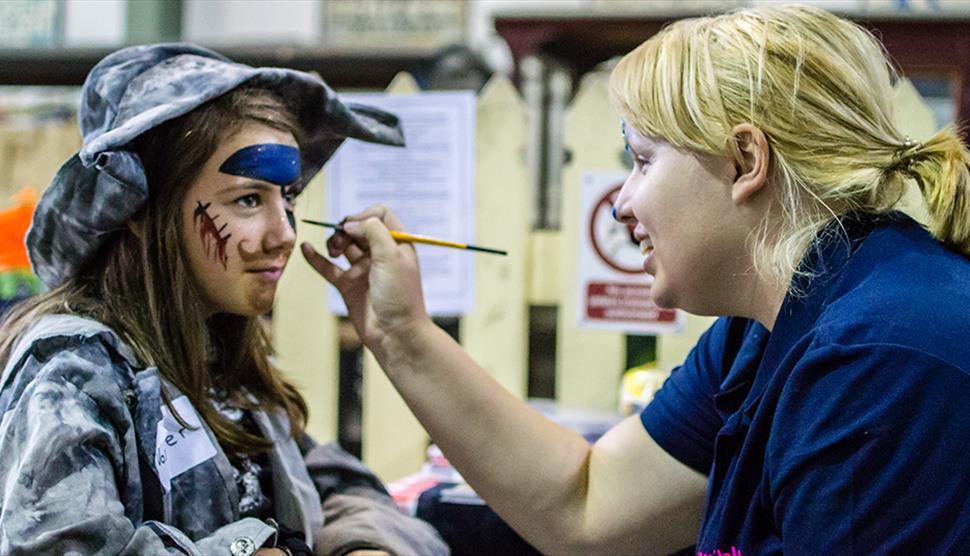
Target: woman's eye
{"x":248,"y":201}
{"x":642,"y":164}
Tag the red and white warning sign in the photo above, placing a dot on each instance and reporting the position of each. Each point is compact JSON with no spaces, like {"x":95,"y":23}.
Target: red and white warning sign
{"x":614,"y":291}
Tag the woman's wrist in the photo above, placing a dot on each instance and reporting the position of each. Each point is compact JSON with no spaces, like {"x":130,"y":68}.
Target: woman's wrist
{"x":402,"y":347}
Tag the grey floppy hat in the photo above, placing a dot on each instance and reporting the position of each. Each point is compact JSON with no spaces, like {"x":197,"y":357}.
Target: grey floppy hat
{"x":135,"y":89}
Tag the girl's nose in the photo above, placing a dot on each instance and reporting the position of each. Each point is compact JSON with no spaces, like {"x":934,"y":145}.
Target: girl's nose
{"x":281,"y":234}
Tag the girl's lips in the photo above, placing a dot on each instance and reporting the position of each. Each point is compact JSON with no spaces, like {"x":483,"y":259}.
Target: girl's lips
{"x":268,"y":274}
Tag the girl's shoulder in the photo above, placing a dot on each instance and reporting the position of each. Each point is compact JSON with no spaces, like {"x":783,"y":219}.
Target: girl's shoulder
{"x":67,"y":348}
{"x":68,"y":332}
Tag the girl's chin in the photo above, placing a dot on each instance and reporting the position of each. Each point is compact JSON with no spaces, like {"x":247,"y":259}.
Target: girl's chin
{"x":251,"y":306}
{"x":261,"y":302}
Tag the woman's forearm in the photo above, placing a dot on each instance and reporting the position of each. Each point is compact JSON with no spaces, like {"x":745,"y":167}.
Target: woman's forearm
{"x":530,"y":470}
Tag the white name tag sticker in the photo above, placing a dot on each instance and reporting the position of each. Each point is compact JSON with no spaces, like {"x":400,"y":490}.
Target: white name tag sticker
{"x":178,"y":448}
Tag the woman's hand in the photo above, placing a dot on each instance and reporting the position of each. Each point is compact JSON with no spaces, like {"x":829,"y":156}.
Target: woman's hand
{"x":382,"y":286}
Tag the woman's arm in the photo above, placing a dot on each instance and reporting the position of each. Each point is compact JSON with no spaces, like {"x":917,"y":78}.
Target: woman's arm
{"x":560,"y":493}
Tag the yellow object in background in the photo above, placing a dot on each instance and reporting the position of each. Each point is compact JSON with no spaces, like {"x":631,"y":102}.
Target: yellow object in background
{"x":638,"y":386}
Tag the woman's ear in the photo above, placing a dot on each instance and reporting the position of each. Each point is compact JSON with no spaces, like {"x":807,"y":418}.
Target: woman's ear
{"x":752,"y":168}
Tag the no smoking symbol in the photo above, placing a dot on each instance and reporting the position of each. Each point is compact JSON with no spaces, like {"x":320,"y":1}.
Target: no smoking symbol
{"x":613,"y":241}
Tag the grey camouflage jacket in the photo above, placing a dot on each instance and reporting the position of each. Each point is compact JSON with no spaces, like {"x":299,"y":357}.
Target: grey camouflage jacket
{"x":79,"y":466}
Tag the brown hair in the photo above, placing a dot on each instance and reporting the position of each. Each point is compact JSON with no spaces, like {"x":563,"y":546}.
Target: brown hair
{"x":139,"y":284}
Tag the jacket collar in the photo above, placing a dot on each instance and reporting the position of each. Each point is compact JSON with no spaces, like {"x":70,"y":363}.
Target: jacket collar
{"x":812,"y":289}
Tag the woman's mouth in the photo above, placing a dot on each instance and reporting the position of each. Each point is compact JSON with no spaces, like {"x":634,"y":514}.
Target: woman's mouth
{"x":646,"y":246}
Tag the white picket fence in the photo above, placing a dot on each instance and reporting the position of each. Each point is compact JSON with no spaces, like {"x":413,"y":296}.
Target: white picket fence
{"x":541,"y":269}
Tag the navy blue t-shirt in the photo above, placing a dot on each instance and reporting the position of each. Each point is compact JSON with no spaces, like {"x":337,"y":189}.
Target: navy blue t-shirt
{"x":845,"y":430}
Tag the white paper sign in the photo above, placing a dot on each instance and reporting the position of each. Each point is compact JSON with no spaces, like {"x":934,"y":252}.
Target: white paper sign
{"x":429,"y":185}
{"x":614,"y":290}
{"x":178,"y":448}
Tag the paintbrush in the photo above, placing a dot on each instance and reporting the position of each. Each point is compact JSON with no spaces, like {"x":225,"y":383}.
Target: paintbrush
{"x":402,"y":237}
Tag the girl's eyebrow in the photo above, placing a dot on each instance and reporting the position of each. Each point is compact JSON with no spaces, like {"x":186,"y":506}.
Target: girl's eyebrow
{"x":249,"y":184}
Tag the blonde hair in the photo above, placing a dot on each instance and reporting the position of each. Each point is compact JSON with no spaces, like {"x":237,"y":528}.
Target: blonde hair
{"x":820,"y":89}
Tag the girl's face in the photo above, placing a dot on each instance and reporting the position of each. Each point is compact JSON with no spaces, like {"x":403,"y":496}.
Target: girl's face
{"x":680,"y":204}
{"x":237,"y":220}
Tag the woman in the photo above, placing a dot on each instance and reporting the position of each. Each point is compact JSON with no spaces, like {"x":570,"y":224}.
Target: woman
{"x":142,"y":410}
{"x":824,"y":413}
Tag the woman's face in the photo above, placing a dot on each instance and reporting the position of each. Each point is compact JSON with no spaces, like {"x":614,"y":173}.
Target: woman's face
{"x":679,"y":203}
{"x":237,"y":220}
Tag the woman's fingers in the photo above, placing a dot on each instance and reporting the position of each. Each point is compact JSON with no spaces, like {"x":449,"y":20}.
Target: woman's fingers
{"x":325,"y":268}
{"x":357,"y":233}
{"x":337,"y":276}
{"x":374,"y":233}
{"x":355,"y":244}
{"x":338,"y":243}
{"x":380,"y":212}
{"x":354,"y":253}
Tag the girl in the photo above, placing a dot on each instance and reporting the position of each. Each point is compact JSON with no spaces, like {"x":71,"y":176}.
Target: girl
{"x":142,"y":411}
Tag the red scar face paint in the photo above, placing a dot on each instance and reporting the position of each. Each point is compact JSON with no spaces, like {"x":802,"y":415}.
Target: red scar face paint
{"x":213,"y":242}
{"x":245,"y":187}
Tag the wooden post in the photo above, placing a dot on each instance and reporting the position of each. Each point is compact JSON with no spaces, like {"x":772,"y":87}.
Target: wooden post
{"x":588,"y":362}
{"x":496,"y":332}
{"x":393,"y":444}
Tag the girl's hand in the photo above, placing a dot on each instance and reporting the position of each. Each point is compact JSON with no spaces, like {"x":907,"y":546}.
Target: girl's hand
{"x":382,"y":286}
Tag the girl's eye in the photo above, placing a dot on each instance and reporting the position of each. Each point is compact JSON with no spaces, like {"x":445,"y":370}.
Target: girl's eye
{"x":289,"y":195}
{"x":248,"y":201}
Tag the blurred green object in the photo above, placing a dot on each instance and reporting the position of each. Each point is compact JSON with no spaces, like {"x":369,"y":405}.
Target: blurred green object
{"x":18,"y":284}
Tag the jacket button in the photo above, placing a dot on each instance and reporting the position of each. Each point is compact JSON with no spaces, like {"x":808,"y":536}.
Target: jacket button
{"x":242,"y":546}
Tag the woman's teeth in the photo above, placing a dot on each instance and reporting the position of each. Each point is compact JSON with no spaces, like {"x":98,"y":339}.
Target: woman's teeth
{"x":646,"y":246}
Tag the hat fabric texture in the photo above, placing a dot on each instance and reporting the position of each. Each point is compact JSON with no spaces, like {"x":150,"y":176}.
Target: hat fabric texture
{"x":135,"y":89}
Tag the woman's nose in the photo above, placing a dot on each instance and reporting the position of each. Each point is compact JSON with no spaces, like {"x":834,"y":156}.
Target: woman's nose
{"x":622,"y":211}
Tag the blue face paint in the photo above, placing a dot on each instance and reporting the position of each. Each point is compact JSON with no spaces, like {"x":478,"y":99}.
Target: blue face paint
{"x":271,"y":162}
